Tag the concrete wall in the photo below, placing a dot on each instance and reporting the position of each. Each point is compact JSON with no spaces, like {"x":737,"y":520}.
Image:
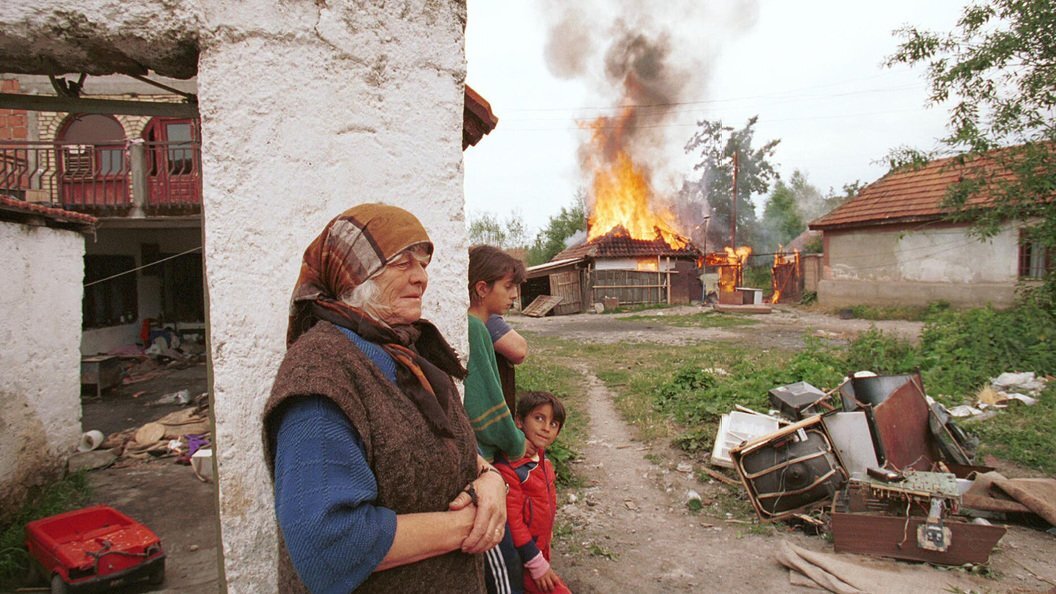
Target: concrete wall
{"x":40,"y":402}
{"x":307,"y":109}
{"x":917,"y":267}
{"x":127,"y":242}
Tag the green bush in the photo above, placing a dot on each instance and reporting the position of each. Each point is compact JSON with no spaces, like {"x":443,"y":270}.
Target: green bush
{"x":881,"y":353}
{"x":960,"y":351}
{"x":61,"y":496}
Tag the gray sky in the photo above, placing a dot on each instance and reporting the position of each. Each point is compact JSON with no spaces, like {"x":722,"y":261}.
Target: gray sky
{"x":811,"y":69}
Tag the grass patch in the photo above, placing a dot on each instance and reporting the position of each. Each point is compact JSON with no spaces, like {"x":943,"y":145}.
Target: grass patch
{"x":677,"y":393}
{"x":633,"y":307}
{"x":1022,"y":434}
{"x":61,"y":496}
{"x":696,"y":320}
{"x":913,"y":313}
{"x":541,"y":372}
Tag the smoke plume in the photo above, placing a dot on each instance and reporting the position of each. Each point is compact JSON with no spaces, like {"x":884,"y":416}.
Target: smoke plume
{"x":647,"y":65}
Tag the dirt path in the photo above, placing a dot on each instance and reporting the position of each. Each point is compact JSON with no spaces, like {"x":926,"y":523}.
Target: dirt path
{"x":783,"y":328}
{"x":633,"y":531}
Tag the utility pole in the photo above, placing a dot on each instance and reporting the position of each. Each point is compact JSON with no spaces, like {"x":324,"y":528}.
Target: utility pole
{"x":733,"y":206}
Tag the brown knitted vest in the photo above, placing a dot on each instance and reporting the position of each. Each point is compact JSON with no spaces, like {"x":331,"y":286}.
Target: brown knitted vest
{"x":416,"y":470}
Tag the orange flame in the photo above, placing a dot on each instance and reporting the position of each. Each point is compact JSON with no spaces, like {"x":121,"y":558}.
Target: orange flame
{"x":622,"y":192}
{"x":730,"y":263}
{"x":783,"y":261}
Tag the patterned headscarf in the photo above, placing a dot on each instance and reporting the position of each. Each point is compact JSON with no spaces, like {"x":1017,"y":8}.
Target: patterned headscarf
{"x":353,"y":247}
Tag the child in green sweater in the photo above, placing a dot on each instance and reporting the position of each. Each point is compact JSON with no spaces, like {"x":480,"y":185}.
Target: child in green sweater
{"x":494,"y":281}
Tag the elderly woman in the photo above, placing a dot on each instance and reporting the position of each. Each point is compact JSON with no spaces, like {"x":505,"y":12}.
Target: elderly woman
{"x":378,"y":484}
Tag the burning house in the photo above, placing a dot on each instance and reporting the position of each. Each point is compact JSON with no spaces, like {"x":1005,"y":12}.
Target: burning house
{"x":617,"y":268}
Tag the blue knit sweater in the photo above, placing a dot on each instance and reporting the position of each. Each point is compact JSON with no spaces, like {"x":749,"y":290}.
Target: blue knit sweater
{"x":324,"y":492}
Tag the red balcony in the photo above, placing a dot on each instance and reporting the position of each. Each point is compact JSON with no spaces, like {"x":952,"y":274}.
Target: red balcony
{"x":133,"y":178}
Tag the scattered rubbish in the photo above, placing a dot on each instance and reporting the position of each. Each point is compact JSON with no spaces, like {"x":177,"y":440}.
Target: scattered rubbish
{"x":150,"y":433}
{"x":965,"y":410}
{"x":95,"y":548}
{"x":694,"y":501}
{"x":854,"y":441}
{"x":790,"y":470}
{"x":1019,"y":382}
{"x":797,"y":401}
{"x":90,"y":440}
{"x":139,"y":393}
{"x":1004,"y":390}
{"x":1036,"y":494}
{"x":92,"y":460}
{"x":202,"y":464}
{"x":900,"y":419}
{"x":722,"y":478}
{"x":542,"y":305}
{"x":736,"y":428}
{"x":885,"y":468}
{"x":837,"y":573}
{"x":101,"y":371}
{"x":684,"y":467}
{"x":178,"y":397}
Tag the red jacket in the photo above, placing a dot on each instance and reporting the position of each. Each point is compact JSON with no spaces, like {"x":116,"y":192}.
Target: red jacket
{"x":531,"y":504}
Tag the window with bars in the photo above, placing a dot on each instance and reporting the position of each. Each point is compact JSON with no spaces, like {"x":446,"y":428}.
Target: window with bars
{"x":1035,"y":261}
{"x":113,"y":301}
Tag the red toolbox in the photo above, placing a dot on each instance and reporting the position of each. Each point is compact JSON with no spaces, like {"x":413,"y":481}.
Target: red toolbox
{"x":94,"y":549}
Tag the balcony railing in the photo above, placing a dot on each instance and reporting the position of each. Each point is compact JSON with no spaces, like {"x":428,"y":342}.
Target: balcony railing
{"x":109,"y":180}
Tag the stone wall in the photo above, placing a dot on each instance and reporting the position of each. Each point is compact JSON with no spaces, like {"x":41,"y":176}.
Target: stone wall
{"x":40,"y":404}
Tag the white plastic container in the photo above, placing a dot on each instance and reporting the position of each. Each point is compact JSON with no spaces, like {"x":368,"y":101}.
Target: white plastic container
{"x":202,"y":463}
{"x":736,"y":428}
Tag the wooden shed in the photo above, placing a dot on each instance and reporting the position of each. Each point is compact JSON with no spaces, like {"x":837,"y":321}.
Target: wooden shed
{"x":617,"y":269}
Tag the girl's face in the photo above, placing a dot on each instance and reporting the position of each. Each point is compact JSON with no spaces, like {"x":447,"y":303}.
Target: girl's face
{"x":498,"y":297}
{"x":540,"y":427}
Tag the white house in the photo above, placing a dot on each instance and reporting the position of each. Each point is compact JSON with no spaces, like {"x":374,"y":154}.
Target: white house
{"x":893,"y":245}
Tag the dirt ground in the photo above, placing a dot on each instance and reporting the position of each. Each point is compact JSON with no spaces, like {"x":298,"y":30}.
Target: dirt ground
{"x":631,"y":530}
{"x":165,"y":496}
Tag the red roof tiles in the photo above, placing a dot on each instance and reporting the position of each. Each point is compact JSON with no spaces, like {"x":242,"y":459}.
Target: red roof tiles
{"x":21,"y":207}
{"x":619,"y":244}
{"x":477,"y":118}
{"x":905,"y":196}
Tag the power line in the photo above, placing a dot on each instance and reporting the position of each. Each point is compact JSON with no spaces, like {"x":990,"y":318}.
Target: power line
{"x":782,"y":95}
{"x":138,"y":268}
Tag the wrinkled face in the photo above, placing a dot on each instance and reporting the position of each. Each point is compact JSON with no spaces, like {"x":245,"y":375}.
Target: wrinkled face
{"x":540,"y":427}
{"x":400,"y":287}
{"x":498,"y":297}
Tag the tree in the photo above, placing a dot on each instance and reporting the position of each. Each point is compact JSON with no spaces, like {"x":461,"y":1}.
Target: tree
{"x":998,"y":67}
{"x":487,"y":229}
{"x":717,"y":144}
{"x":553,"y":238}
{"x":782,"y":221}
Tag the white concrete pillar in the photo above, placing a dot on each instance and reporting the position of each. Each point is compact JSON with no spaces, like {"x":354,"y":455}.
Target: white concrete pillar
{"x":307,"y":109}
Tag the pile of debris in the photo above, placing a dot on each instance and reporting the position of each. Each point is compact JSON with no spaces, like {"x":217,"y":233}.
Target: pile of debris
{"x":184,"y":434}
{"x":880,"y":466}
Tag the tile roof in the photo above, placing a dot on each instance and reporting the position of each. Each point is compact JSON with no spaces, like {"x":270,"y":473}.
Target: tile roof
{"x":619,"y":244}
{"x":906,"y":196}
{"x":21,"y":208}
{"x":477,"y":118}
